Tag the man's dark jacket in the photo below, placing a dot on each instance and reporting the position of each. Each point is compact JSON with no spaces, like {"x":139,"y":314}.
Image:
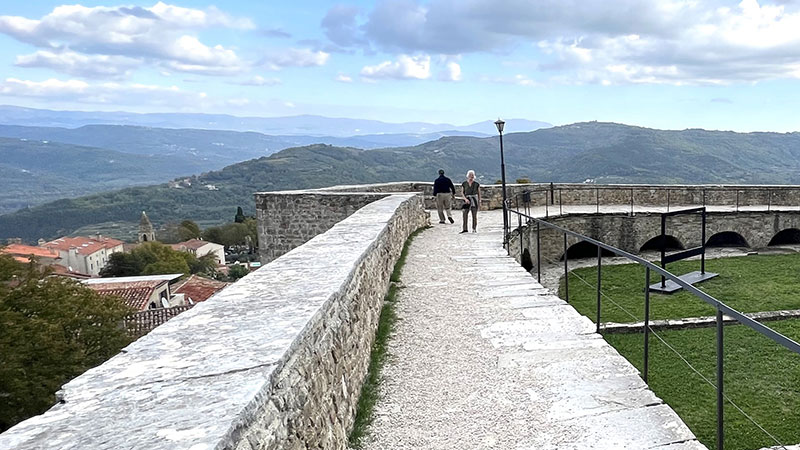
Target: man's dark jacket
{"x":443,"y":185}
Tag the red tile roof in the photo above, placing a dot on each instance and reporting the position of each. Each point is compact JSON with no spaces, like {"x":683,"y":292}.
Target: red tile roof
{"x":199,"y":289}
{"x":192,"y":244}
{"x":136,"y":293}
{"x":26,"y":251}
{"x":85,"y":245}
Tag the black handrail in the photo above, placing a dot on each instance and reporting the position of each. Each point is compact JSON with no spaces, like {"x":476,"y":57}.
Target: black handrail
{"x":720,"y":307}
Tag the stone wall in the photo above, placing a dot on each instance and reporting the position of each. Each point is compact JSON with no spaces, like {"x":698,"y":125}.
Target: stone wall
{"x":631,"y":233}
{"x":567,"y":194}
{"x":288,"y":219}
{"x":275,"y":361}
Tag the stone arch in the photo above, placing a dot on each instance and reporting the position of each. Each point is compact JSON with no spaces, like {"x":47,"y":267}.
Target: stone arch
{"x":144,"y":238}
{"x":584,"y":249}
{"x":673,"y":243}
{"x":787,"y":236}
{"x":727,"y":239}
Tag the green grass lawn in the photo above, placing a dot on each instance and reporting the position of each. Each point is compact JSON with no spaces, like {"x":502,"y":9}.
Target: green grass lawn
{"x":761,"y":377}
{"x":747,"y":284}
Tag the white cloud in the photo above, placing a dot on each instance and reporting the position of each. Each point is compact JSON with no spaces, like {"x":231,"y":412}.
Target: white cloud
{"x":99,"y":93}
{"x":296,"y":57}
{"x":260,"y":81}
{"x":405,"y":68}
{"x":91,"y":66}
{"x":344,"y":78}
{"x":160,"y":34}
{"x":452,"y":72}
{"x":635,"y":41}
{"x":518,"y":79}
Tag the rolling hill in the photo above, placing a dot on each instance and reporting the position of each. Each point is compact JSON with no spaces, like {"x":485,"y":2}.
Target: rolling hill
{"x":305,"y":125}
{"x":34,"y":172}
{"x":605,"y":152}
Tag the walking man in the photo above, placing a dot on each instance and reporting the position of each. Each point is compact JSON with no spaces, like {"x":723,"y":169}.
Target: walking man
{"x":444,"y":191}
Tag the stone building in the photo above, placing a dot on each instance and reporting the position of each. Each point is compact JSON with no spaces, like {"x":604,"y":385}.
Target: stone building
{"x":84,"y":254}
{"x":142,"y":292}
{"x":146,"y":231}
{"x":200,"y":248}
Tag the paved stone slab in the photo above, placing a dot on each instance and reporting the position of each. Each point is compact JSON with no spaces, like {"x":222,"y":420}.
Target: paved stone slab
{"x":483,"y":357}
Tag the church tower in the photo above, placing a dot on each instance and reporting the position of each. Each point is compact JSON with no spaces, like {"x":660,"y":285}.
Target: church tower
{"x":146,"y":232}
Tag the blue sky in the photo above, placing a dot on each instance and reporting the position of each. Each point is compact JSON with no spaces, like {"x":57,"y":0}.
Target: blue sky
{"x":669,"y":64}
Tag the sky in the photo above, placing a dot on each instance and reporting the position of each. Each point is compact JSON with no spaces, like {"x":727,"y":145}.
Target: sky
{"x":667,"y":64}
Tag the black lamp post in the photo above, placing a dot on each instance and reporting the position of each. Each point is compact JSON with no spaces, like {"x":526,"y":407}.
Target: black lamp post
{"x":500,"y":124}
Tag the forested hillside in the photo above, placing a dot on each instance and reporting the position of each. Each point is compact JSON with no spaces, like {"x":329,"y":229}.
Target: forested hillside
{"x":34,"y":172}
{"x":605,"y":152}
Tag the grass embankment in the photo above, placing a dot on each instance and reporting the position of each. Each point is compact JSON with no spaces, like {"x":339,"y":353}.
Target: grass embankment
{"x":369,"y":391}
{"x":747,"y":284}
{"x":761,"y":377}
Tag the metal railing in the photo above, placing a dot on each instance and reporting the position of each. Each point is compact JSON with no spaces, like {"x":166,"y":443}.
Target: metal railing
{"x":721,"y":308}
{"x":553,"y":197}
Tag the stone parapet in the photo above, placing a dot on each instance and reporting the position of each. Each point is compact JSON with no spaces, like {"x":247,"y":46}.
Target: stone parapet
{"x":572,"y":194}
{"x":275,"y":361}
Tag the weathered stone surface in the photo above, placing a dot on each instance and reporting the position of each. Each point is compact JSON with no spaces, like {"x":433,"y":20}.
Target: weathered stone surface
{"x":483,"y":357}
{"x":277,"y":360}
{"x":631,"y":233}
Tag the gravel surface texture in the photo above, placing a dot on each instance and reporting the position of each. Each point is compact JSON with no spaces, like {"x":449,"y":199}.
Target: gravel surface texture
{"x":483,"y":357}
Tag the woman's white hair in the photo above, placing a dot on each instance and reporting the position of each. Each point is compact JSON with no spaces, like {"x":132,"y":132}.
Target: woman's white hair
{"x":470,"y":172}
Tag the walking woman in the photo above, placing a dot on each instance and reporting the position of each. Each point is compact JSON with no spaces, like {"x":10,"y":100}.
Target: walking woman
{"x":472,"y":198}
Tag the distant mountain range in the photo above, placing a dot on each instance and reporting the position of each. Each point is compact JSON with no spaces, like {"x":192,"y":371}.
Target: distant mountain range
{"x":605,"y":152}
{"x":303,"y":125}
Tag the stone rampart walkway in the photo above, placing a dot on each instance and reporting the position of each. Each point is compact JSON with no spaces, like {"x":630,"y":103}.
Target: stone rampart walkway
{"x":483,"y":357}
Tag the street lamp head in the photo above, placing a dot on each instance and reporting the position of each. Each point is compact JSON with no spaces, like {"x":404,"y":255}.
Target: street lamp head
{"x":500,"y":125}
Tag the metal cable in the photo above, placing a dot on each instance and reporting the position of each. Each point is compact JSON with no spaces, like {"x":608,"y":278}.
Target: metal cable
{"x":682,"y":358}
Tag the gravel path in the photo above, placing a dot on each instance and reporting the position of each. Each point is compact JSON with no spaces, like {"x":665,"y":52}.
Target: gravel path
{"x":483,"y":357}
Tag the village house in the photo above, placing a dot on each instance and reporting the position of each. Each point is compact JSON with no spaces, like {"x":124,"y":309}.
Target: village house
{"x":142,"y":292}
{"x":23,"y":253}
{"x":200,"y":248}
{"x":198,"y":289}
{"x":86,"y":255}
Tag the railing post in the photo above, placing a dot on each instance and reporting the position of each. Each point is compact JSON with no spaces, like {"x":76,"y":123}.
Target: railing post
{"x":519,"y":233}
{"x":597,"y":199}
{"x":769,"y":199}
{"x":704,"y":197}
{"x":631,"y":201}
{"x":566,"y":271}
{"x":663,"y":245}
{"x":599,"y":265}
{"x":703,"y":243}
{"x":737,"y":200}
{"x":668,"y":192}
{"x":538,"y":254}
{"x":646,"y":322}
{"x":720,"y":397}
{"x":546,"y":207}
{"x":560,"y":203}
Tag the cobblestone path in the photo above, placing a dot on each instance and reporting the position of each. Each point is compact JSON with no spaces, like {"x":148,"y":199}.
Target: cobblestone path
{"x":483,"y":357}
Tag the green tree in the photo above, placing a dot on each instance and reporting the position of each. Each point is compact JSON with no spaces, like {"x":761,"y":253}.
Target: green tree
{"x":237,"y":271}
{"x":189,"y":230}
{"x":122,"y":265}
{"x":206,"y":264}
{"x":155,"y":258}
{"x":51,"y":330}
{"x":230,"y":234}
{"x":239,"y":218}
